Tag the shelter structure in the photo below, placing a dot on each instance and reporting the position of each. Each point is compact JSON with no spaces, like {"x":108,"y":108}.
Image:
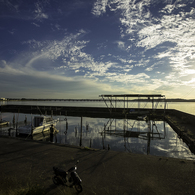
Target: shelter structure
{"x":131,"y":127}
{"x":112,"y":101}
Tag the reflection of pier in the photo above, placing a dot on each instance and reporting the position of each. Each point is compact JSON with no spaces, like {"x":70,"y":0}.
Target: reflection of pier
{"x":140,"y":114}
{"x":123,"y":133}
{"x":149,"y":133}
{"x":153,"y":131}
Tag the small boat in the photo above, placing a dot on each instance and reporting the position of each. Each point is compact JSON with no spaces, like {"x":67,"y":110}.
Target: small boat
{"x":4,"y":122}
{"x":39,"y":125}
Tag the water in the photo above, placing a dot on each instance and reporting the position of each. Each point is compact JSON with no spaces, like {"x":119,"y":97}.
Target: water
{"x":161,"y":141}
{"x":188,"y":107}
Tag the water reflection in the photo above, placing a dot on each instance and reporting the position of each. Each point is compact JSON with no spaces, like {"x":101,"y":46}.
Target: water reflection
{"x":133,"y":129}
{"x":137,"y":136}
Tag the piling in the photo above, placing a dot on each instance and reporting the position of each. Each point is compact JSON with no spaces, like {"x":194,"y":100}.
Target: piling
{"x":81,"y":131}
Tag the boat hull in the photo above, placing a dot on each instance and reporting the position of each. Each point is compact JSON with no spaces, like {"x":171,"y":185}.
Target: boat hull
{"x":28,"y":129}
{"x":3,"y":123}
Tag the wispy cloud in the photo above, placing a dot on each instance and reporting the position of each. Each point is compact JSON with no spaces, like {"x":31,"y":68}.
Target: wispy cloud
{"x":43,"y":84}
{"x":121,"y":44}
{"x":174,"y":28}
{"x":99,"y":7}
{"x":39,"y":14}
{"x":14,"y":6}
{"x":37,"y":25}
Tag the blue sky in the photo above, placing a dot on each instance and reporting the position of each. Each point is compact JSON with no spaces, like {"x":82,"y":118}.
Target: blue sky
{"x":84,"y":48}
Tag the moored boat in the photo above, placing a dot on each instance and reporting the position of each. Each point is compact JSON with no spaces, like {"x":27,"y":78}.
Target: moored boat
{"x":4,"y":122}
{"x":39,"y":125}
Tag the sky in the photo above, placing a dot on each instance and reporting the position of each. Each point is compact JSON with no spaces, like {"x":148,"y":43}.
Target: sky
{"x":86,"y":48}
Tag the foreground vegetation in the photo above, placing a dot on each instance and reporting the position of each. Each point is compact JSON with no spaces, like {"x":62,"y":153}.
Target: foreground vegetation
{"x":11,"y":186}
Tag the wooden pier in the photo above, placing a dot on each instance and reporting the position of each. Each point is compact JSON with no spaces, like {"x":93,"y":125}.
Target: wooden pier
{"x":184,"y":125}
{"x":101,"y":112}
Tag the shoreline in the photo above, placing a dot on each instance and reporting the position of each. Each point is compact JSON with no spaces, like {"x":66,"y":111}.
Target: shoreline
{"x":97,"y":99}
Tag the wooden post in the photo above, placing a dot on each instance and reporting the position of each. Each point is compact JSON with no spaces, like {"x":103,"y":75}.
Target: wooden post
{"x":14,"y":121}
{"x":124,"y":104}
{"x":152,"y":103}
{"x":81,"y":131}
{"x":31,"y":126}
{"x":90,"y":143}
{"x":17,"y":123}
{"x":66,"y":125}
{"x":164,"y":130}
{"x":165,"y":107}
{"x":148,"y":136}
{"x":115,"y":104}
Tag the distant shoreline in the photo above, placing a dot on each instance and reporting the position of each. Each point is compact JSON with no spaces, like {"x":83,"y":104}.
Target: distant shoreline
{"x":100,"y":100}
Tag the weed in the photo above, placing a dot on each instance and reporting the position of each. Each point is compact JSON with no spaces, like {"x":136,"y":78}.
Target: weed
{"x":11,"y":186}
{"x":33,"y":190}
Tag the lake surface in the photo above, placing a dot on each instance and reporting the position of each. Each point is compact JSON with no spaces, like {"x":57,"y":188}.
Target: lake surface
{"x":153,"y":137}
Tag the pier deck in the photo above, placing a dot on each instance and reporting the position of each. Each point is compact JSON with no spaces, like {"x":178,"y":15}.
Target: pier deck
{"x":101,"y":112}
{"x":184,"y":125}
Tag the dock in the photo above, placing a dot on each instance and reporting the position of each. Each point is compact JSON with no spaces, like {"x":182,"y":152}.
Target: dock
{"x":101,"y":112}
{"x":184,"y":125}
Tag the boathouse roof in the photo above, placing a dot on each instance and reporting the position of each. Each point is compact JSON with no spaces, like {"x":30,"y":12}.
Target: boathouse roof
{"x":134,"y":95}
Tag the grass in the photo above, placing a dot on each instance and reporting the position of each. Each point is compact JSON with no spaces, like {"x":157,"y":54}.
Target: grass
{"x":88,"y":148}
{"x":66,"y":191}
{"x":32,"y":190}
{"x":11,"y":186}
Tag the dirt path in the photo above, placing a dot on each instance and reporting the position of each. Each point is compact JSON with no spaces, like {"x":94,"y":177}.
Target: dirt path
{"x":24,"y":164}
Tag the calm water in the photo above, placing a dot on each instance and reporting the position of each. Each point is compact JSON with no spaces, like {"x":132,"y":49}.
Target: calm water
{"x":161,"y":141}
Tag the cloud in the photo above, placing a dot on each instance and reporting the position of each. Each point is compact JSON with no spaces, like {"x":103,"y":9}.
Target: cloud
{"x":99,"y":7}
{"x":65,"y":56}
{"x":70,"y":55}
{"x":121,"y":44}
{"x":37,"y":25}
{"x":134,"y":15}
{"x":126,"y":78}
{"x":176,"y":25}
{"x":44,"y":84}
{"x":152,"y":49}
{"x":13,"y":6}
{"x":39,"y":14}
{"x":68,"y":50}
{"x":190,"y":83}
{"x":12,"y":31}
{"x":2,"y":63}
